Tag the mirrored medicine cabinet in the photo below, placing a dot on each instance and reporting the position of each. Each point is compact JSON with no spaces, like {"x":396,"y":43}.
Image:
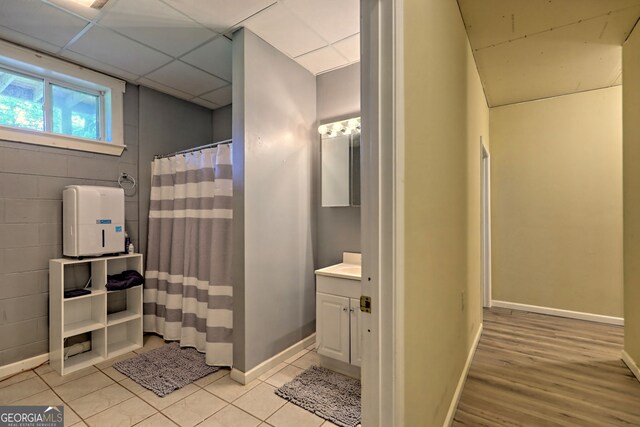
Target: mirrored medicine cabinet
{"x":340,"y":150}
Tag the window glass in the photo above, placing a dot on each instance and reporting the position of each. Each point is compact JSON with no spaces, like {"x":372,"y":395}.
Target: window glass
{"x":75,"y":113}
{"x":21,"y":101}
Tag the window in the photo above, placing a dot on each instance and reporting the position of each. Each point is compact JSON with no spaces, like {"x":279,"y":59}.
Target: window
{"x":46,"y":101}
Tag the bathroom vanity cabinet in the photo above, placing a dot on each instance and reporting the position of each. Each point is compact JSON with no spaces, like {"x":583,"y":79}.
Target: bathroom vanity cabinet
{"x":91,"y":320}
{"x":338,"y":316}
{"x":338,"y":322}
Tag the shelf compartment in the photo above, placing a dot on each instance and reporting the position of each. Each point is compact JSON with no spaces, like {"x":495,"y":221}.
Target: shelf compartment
{"x":84,"y":314}
{"x":123,"y":263}
{"x":124,"y":337}
{"x":96,"y":354}
{"x":124,"y":305}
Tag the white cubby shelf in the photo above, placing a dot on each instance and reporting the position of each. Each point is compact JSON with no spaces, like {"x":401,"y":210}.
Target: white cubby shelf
{"x":111,"y":333}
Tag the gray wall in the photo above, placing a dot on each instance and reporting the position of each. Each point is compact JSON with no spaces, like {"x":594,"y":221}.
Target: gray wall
{"x":338,"y":98}
{"x":31,"y":182}
{"x":274,"y":112}
{"x":222,"y":123}
{"x":167,"y":124}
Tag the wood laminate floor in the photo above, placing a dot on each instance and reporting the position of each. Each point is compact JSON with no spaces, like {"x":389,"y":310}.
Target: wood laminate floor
{"x":537,"y":370}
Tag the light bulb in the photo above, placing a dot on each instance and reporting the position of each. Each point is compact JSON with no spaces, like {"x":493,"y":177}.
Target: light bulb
{"x":322,"y":129}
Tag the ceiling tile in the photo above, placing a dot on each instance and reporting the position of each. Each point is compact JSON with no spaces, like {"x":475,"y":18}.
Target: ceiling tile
{"x":185,"y":78}
{"x":279,"y":27}
{"x":157,"y":25}
{"x":568,"y":60}
{"x":219,"y":15}
{"x":349,"y":47}
{"x":99,"y":66}
{"x":493,"y":21}
{"x":16,"y":37}
{"x":214,"y":57}
{"x":40,"y":20}
{"x":205,"y":103}
{"x":111,"y":48}
{"x":78,"y":9}
{"x":164,"y":89}
{"x":321,"y":60}
{"x":332,"y":19}
{"x":221,"y":97}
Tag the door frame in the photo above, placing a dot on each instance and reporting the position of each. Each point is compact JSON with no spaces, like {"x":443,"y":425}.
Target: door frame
{"x":382,"y":213}
{"x":485,"y":218}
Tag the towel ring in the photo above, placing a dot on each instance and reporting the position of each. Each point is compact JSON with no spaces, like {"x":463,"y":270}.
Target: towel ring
{"x":125,"y":178}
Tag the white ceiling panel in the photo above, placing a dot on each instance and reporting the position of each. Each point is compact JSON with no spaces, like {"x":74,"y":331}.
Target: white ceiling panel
{"x":493,"y":21}
{"x":320,"y":60}
{"x":279,"y":27}
{"x":165,"y":89}
{"x":333,"y":19}
{"x":186,"y":78}
{"x":220,"y":96}
{"x":108,"y":47}
{"x":219,"y":15}
{"x":100,"y":66}
{"x":568,"y":60}
{"x":215,"y":57}
{"x":78,"y":9}
{"x":205,"y":103}
{"x":157,"y":25}
{"x":22,"y":39}
{"x":40,"y":21}
{"x":349,"y":47}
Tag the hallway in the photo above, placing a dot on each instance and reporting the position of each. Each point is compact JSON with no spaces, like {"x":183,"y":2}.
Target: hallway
{"x":537,"y":370}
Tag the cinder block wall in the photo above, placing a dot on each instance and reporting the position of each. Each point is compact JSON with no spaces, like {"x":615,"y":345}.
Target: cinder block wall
{"x":31,"y":182}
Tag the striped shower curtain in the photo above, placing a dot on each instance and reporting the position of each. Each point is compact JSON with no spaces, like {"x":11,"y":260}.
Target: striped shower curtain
{"x":188,"y":292}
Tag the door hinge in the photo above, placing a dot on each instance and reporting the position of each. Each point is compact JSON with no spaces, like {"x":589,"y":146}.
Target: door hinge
{"x":365,"y":304}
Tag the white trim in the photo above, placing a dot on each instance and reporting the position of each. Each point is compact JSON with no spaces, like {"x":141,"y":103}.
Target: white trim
{"x":611,"y":320}
{"x":631,"y":364}
{"x":463,"y":378}
{"x":60,"y":141}
{"x":23,"y":365}
{"x":252,"y":374}
{"x":485,"y":206}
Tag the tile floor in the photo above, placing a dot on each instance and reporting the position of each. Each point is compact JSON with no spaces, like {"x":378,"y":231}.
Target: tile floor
{"x":101,"y":396}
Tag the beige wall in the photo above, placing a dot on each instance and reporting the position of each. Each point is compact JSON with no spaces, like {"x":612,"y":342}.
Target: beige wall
{"x":557,"y":202}
{"x":446,"y":113}
{"x":631,"y":108}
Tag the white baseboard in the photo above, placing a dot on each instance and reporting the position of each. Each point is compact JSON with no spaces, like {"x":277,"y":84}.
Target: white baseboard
{"x":23,"y":365}
{"x":252,"y":374}
{"x":463,"y":377}
{"x":560,"y":313}
{"x":631,"y":364}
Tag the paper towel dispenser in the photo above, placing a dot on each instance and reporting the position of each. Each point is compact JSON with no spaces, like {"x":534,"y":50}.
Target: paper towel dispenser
{"x":92,"y":220}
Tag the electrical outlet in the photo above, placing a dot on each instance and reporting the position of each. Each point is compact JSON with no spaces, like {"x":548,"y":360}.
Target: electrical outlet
{"x":462,"y":300}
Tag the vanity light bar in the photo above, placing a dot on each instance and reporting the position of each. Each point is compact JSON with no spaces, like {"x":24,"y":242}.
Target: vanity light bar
{"x":345,"y":127}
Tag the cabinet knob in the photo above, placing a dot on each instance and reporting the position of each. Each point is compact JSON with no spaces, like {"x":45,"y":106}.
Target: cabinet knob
{"x":352,"y":310}
{"x":344,"y":308}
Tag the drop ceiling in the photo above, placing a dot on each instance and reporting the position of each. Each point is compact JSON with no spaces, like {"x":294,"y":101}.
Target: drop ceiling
{"x":534,"y":49}
{"x":183,"y":47}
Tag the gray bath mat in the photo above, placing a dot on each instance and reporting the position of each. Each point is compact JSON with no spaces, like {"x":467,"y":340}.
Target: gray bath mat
{"x":329,"y":395}
{"x":166,"y":369}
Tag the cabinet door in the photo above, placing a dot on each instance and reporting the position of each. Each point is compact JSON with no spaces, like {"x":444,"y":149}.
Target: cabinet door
{"x":354,"y":312}
{"x":332,"y":326}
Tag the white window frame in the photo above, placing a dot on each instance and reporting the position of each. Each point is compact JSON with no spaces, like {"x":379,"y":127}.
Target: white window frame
{"x":55,"y":71}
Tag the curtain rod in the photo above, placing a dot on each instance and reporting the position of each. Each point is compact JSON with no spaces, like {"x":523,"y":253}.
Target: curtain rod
{"x":190,"y":150}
